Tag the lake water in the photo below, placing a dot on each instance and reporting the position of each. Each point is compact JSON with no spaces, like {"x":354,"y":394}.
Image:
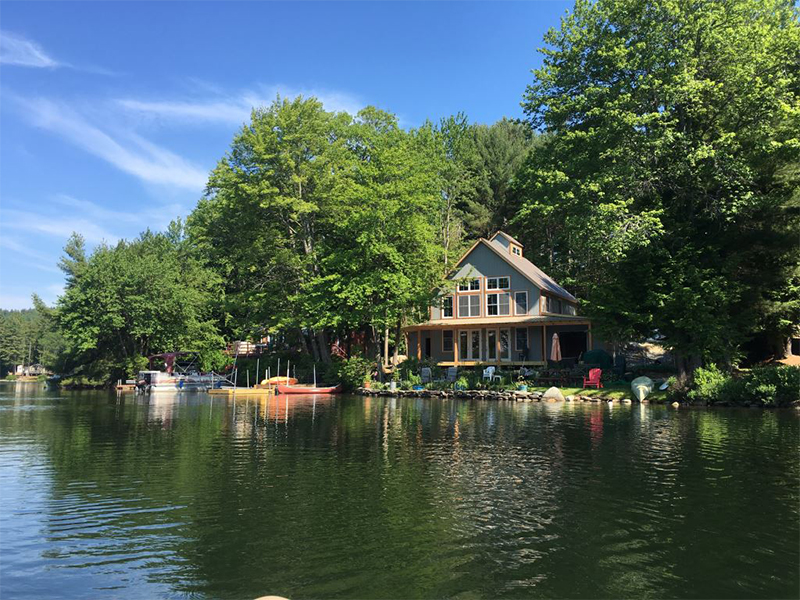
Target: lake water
{"x":349,"y":497}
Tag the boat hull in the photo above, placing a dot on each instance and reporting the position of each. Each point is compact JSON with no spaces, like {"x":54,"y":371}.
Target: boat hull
{"x":641,"y":387}
{"x":308,"y":389}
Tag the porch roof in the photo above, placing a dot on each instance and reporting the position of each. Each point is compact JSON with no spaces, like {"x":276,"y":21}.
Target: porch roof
{"x":498,"y":321}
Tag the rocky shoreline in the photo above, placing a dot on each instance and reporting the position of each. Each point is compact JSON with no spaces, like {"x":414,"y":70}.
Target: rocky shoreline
{"x":551,"y":395}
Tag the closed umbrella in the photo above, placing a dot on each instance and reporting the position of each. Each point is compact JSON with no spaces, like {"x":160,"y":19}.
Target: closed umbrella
{"x":555,"y":350}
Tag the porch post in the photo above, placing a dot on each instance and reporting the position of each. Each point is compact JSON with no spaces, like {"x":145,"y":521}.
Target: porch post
{"x":544,"y":343}
{"x":455,"y":347}
{"x":589,"y":337}
{"x":419,"y":344}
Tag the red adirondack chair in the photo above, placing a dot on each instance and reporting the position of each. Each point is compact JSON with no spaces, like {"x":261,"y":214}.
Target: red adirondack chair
{"x":594,"y":379}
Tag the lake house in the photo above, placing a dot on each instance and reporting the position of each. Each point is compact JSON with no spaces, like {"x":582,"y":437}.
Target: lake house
{"x":502,"y":309}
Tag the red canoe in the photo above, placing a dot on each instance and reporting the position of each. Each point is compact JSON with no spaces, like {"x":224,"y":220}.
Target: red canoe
{"x":308,"y":389}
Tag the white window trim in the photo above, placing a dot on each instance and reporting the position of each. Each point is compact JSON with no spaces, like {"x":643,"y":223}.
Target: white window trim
{"x":488,"y":279}
{"x":468,"y":282}
{"x":527,"y":306}
{"x":516,"y":339}
{"x":496,"y":344}
{"x":469,"y":333}
{"x":453,"y":306}
{"x":498,"y":294}
{"x":510,"y":344}
{"x":452,"y":340}
{"x":460,"y":316}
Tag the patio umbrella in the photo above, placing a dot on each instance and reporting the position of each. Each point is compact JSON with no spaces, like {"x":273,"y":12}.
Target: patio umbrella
{"x":555,"y":350}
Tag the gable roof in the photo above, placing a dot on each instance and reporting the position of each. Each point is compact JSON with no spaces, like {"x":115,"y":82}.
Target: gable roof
{"x":525,"y":267}
{"x":508,"y":237}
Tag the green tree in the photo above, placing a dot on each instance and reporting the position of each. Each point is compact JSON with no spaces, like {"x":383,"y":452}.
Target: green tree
{"x":663,"y":190}
{"x":259,"y":222}
{"x":136,"y":298}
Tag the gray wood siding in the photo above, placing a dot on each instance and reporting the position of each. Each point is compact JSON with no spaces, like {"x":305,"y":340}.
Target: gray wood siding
{"x":483,"y":262}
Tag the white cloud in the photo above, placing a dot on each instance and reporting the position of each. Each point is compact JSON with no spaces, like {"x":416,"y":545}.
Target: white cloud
{"x":56,"y":225}
{"x":235,"y":110}
{"x":128,"y":151}
{"x":16,"y":50}
{"x":40,"y":260}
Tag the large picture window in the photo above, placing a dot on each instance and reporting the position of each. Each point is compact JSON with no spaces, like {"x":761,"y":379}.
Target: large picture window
{"x":498,"y":304}
{"x":498,"y":283}
{"x":469,"y":306}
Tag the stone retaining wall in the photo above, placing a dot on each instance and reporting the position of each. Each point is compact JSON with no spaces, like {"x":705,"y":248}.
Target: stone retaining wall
{"x":508,"y":396}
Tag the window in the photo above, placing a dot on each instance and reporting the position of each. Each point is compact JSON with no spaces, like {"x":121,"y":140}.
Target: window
{"x":473,"y":285}
{"x":516,"y":250}
{"x":553,"y":305}
{"x":498,"y":304}
{"x":469,"y":306}
{"x":447,"y":340}
{"x":521,"y":344}
{"x":491,"y":344}
{"x":447,"y":307}
{"x":498,"y":283}
{"x":475,"y":344}
{"x":505,"y":344}
{"x":521,"y":303}
{"x":469,"y":345}
{"x":569,"y":309}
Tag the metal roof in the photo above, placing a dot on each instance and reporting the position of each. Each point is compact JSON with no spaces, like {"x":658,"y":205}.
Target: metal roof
{"x":499,"y":321}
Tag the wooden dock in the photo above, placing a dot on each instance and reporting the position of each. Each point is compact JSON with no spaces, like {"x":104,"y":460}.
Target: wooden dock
{"x":253,"y":391}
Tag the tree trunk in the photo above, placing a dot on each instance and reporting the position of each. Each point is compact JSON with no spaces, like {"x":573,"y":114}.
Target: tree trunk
{"x":386,"y":347}
{"x":687,"y":364}
{"x":309,"y":344}
{"x":397,"y":333}
{"x":376,"y":341}
{"x":324,"y":348}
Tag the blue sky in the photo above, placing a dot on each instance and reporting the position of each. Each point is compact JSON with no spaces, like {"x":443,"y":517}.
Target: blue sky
{"x":113,"y":113}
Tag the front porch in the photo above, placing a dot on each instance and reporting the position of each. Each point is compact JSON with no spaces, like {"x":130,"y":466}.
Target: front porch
{"x":512,"y":342}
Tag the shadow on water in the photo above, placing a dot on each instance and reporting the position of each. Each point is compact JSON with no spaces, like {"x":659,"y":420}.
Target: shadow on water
{"x":195,"y":495}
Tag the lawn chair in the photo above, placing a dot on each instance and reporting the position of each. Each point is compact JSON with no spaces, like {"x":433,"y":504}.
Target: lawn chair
{"x":452,"y":374}
{"x":425,"y":375}
{"x":594,"y":379}
{"x":488,"y":373}
{"x":525,"y":373}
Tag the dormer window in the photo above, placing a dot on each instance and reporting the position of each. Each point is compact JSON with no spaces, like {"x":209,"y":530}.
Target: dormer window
{"x":516,"y":250}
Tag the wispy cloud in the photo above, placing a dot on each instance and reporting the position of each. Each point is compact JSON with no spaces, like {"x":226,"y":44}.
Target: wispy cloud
{"x":127,"y":151}
{"x":234,"y":109}
{"x":40,"y":260}
{"x":16,"y":50}
{"x":58,"y":225}
{"x":19,"y":51}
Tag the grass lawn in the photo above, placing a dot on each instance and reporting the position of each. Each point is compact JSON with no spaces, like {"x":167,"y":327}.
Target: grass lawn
{"x":612,"y":391}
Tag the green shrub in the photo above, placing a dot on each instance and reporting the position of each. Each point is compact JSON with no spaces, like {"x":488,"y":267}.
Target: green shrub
{"x":707,"y":385}
{"x":11,"y":377}
{"x":768,"y":386}
{"x":773,"y":386}
{"x":354,"y":371}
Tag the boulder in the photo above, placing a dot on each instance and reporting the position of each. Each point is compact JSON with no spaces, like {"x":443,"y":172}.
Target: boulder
{"x":570,"y":398}
{"x":554,"y":395}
